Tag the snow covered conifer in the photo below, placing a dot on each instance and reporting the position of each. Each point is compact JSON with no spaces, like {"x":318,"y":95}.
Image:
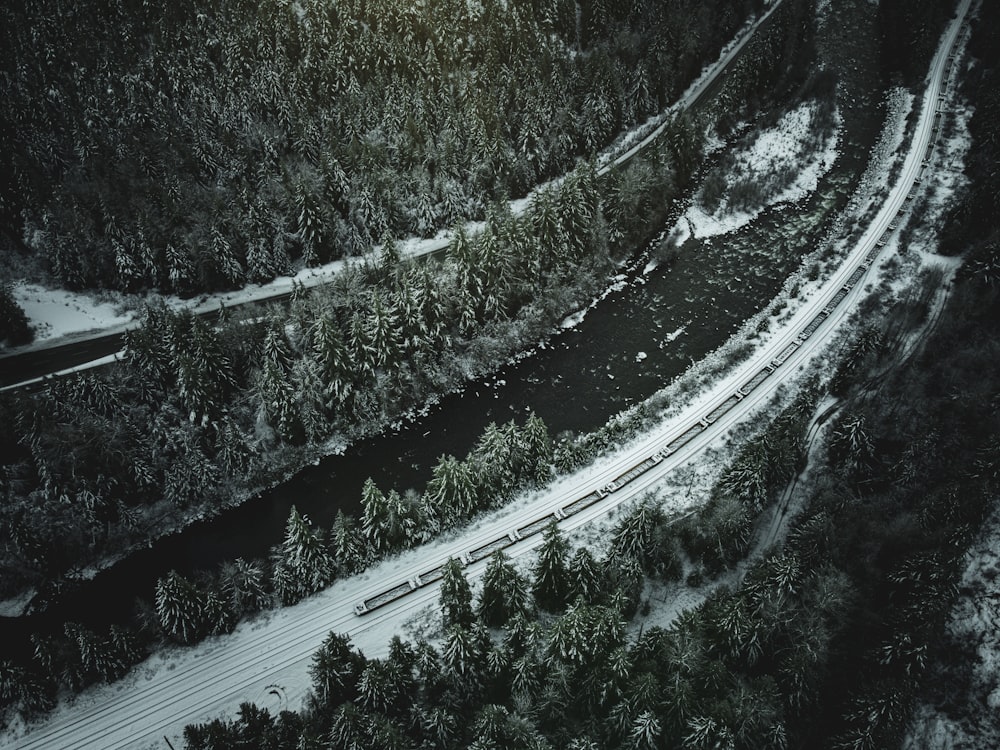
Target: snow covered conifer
{"x":537,"y":448}
{"x":244,"y":586}
{"x":335,"y":670}
{"x":586,"y":577}
{"x":387,"y":522}
{"x":330,"y":352}
{"x":551,"y":578}
{"x":451,"y":493}
{"x":345,"y":546}
{"x":180,"y":607}
{"x":504,"y":592}
{"x":303,"y":553}
{"x":645,"y":732}
{"x":204,"y":371}
{"x":456,"y":596}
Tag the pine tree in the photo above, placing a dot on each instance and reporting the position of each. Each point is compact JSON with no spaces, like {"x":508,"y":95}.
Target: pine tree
{"x":550,"y":587}
{"x":586,"y":578}
{"x":244,"y":586}
{"x":504,"y":592}
{"x":349,"y":728}
{"x":634,"y":534}
{"x":276,"y":396}
{"x":645,"y":732}
{"x":387,"y":523}
{"x":451,"y":493}
{"x":331,"y":355}
{"x":303,"y":553}
{"x":335,"y":671}
{"x":14,"y":328}
{"x":383,"y":334}
{"x":537,"y":449}
{"x":497,"y":461}
{"x":204,"y":372}
{"x":456,"y":596}
{"x":463,"y":656}
{"x":345,"y":546}
{"x":180,"y":608}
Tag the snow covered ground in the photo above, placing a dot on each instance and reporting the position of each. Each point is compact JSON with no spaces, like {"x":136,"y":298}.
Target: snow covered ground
{"x":787,"y":147}
{"x":969,"y":720}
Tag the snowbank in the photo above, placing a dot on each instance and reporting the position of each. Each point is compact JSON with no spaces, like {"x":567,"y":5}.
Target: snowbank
{"x":787,"y":147}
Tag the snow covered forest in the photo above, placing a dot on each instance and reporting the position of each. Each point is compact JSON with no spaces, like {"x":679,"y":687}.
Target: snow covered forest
{"x":197,"y":414}
{"x":163,"y":148}
{"x":168,"y":148}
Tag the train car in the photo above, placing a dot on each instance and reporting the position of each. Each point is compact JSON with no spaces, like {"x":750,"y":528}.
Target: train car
{"x":484,"y":551}
{"x":386,"y":597}
{"x":583,"y":502}
{"x":756,"y":380}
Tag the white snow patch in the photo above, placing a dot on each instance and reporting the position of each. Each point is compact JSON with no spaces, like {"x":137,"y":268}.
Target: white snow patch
{"x":573,"y":320}
{"x":54,"y":313}
{"x":785,"y":146}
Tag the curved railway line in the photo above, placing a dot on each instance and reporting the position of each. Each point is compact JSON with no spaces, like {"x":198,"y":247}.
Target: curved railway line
{"x":160,"y":699}
{"x":700,"y":422}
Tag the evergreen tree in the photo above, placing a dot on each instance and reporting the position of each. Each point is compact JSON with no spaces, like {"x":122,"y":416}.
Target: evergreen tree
{"x":456,"y":596}
{"x":244,"y":586}
{"x":387,"y":523}
{"x":335,"y":671}
{"x":586,"y":578}
{"x":304,"y":555}
{"x":331,"y":355}
{"x":551,"y":584}
{"x":204,"y":372}
{"x":451,"y":493}
{"x":504,"y":592}
{"x":497,"y":461}
{"x":277,"y":398}
{"x":180,"y":608}
{"x":537,"y":449}
{"x":383,"y":332}
{"x":346,"y":547}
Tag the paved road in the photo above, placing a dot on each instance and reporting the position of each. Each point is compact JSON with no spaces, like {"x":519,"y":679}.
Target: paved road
{"x":25,"y":368}
{"x":267,"y":662}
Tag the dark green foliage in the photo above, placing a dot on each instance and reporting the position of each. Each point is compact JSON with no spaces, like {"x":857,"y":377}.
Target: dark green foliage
{"x":456,"y":596}
{"x":14,"y":328}
{"x":550,"y":586}
{"x":308,"y":133}
{"x":910,"y":33}
{"x":303,"y":565}
{"x":335,"y":671}
{"x":504,"y":593}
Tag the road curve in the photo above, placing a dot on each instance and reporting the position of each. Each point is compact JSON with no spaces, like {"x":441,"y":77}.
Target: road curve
{"x":270,"y":657}
{"x":31,"y":367}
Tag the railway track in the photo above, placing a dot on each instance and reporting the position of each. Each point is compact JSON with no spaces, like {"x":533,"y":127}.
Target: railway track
{"x":855,"y":272}
{"x":227,"y":671}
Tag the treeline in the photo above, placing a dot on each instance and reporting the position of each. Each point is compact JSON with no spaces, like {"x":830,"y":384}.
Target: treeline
{"x":911,"y":30}
{"x":505,"y":459}
{"x":220,"y":142}
{"x":972,"y":222}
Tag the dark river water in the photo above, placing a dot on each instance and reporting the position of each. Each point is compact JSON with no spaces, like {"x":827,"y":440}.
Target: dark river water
{"x":576,"y":381}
